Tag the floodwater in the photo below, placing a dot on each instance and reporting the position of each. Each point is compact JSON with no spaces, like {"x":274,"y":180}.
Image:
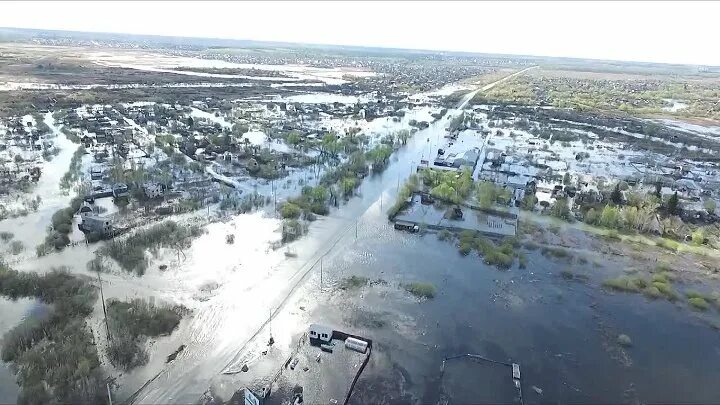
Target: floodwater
{"x":14,"y":86}
{"x":30,"y":229}
{"x":224,"y":333}
{"x":557,"y":330}
{"x":166,"y":64}
{"x":561,"y":332}
{"x":674,"y":105}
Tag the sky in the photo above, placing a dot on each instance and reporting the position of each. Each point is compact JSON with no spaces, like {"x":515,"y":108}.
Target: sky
{"x":663,"y":31}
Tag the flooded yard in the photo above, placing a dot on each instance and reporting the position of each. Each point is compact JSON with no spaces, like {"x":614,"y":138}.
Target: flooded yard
{"x":563,"y":333}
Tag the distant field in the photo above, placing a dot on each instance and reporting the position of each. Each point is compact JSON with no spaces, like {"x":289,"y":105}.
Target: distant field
{"x":692,"y":95}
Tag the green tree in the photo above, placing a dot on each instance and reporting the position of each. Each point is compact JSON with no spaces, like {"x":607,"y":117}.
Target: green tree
{"x":486,"y":194}
{"x":566,"y":179}
{"x":710,"y":205}
{"x":616,"y":195}
{"x":560,"y":209}
{"x":403,"y":135}
{"x":293,"y":138}
{"x":634,"y":199}
{"x":529,"y":202}
{"x":444,"y":191}
{"x":347,"y":185}
{"x":673,"y":204}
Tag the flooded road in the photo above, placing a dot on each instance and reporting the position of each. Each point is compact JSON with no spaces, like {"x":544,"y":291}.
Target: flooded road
{"x":186,"y":379}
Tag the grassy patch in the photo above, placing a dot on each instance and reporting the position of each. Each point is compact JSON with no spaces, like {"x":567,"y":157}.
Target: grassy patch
{"x":662,"y":277}
{"x":572,"y":276}
{"x":444,"y":235}
{"x":129,"y":253}
{"x":556,"y":252}
{"x":131,"y":323}
{"x":668,"y":244}
{"x":699,"y":303}
{"x":611,"y":235}
{"x":421,"y":290}
{"x":666,"y":290}
{"x":353,"y":282}
{"x":658,"y":287}
{"x":626,"y":284}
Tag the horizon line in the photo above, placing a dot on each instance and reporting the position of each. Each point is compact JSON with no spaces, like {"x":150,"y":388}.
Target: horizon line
{"x":368,"y":47}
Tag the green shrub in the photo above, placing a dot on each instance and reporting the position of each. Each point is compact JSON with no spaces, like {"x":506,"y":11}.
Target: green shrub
{"x":63,"y":228}
{"x":663,"y":277}
{"x":421,"y":290}
{"x":290,"y":210}
{"x":499,"y":259}
{"x":292,"y":229}
{"x":353,"y":282}
{"x":652,"y":292}
{"x":465,"y":248}
{"x":626,"y":284}
{"x":694,"y":294}
{"x":666,"y":290}
{"x":444,"y":235}
{"x":668,"y":244}
{"x":555,"y":252}
{"x":698,"y":303}
{"x":522,"y":260}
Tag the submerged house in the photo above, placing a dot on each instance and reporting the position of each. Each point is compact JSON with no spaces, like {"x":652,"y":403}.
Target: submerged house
{"x":97,"y":224}
{"x":153,"y":190}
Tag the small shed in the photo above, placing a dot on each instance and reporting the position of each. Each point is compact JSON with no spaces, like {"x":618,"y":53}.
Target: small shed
{"x":320,"y":334}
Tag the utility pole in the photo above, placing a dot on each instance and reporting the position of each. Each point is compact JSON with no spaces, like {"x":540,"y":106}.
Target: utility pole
{"x":321,"y":272}
{"x":107,"y":385}
{"x":272,"y":340}
{"x":102,"y":297}
{"x":356,"y":229}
